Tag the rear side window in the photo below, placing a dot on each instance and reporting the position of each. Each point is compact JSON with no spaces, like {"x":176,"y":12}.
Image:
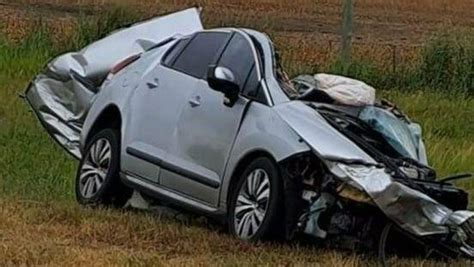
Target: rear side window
{"x":201,"y":51}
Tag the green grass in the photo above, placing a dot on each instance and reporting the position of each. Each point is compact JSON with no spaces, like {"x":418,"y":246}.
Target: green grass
{"x":33,"y":168}
{"x":448,"y":126}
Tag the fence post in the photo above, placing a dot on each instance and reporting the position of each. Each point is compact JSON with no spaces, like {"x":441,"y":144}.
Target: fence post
{"x":347,"y":7}
{"x":394,"y":58}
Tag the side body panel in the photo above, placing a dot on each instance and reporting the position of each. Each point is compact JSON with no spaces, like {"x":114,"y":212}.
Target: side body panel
{"x":119,"y":92}
{"x":262,"y":130}
{"x":154,"y":111}
{"x":118,"y":89}
{"x":203,"y":139}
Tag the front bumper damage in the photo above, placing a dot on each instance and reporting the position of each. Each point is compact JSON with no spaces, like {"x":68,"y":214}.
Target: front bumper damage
{"x":362,"y":198}
{"x":365,"y":183}
{"x":412,"y":210}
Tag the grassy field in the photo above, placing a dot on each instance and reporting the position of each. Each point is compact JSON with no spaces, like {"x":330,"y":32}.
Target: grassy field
{"x":40,"y":224}
{"x":61,"y":234}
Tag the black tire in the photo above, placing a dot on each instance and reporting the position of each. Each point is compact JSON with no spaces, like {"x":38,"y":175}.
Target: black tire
{"x":111,"y":192}
{"x":272,"y":224}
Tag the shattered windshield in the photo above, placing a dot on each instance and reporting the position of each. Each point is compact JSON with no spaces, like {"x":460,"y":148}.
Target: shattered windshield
{"x":398,"y":134}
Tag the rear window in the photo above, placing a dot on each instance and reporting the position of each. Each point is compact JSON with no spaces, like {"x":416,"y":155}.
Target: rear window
{"x":201,"y":51}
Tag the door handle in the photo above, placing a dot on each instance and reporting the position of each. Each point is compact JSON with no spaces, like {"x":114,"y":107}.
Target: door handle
{"x":154,"y":84}
{"x":195,"y":101}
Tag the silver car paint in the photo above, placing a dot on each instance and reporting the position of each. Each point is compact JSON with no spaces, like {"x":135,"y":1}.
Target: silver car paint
{"x":61,"y":101}
{"x":282,"y":130}
{"x":262,"y":130}
{"x":203,"y":138}
{"x":313,"y":128}
{"x":259,"y":132}
{"x":149,"y":128}
{"x":412,"y":210}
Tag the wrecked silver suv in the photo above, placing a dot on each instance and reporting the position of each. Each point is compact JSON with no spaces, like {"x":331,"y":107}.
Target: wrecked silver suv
{"x":206,"y":120}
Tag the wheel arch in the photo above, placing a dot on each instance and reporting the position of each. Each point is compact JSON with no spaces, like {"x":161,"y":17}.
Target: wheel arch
{"x":246,"y":160}
{"x":109,"y":117}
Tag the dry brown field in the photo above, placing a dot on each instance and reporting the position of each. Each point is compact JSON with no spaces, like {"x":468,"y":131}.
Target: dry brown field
{"x":388,"y":33}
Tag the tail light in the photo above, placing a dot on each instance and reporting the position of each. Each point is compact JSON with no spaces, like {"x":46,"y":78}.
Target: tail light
{"x":122,"y":64}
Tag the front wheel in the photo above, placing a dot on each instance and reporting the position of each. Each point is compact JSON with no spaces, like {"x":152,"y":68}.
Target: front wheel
{"x":254,"y":210}
{"x":97,"y":179}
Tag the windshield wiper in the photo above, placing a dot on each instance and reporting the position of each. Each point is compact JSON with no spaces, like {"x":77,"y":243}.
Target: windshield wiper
{"x":415,"y":162}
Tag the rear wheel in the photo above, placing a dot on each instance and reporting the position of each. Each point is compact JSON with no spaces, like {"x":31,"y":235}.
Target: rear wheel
{"x":254,"y":210}
{"x":97,"y":179}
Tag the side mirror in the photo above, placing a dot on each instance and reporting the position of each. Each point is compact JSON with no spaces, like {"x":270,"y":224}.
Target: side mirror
{"x":223,"y":80}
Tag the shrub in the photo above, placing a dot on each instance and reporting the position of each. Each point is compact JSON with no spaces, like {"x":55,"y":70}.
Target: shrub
{"x":448,"y":62}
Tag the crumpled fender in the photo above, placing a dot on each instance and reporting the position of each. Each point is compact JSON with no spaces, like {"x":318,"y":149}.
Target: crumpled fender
{"x":326,"y":142}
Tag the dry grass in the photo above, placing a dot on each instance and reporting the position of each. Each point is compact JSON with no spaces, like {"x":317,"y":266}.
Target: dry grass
{"x":53,"y":234}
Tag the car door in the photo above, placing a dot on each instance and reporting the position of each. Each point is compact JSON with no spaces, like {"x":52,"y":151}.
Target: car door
{"x":158,"y":101}
{"x":206,"y":129}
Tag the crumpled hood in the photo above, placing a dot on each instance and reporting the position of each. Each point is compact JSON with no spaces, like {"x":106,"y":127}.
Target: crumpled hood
{"x":410,"y":209}
{"x":325,"y":141}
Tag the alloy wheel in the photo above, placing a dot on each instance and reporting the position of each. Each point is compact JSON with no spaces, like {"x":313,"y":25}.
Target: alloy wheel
{"x":252,"y":204}
{"x":95,"y":168}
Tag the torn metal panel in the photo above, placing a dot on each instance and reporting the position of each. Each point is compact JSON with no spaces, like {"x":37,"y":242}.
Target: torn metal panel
{"x":316,"y":209}
{"x":63,"y":93}
{"x":412,"y":210}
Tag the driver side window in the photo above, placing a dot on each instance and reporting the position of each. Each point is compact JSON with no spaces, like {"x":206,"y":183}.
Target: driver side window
{"x":195,"y":58}
{"x":239,"y":58}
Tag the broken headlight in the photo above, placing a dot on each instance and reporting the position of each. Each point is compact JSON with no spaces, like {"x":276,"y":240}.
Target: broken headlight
{"x":354,"y":176}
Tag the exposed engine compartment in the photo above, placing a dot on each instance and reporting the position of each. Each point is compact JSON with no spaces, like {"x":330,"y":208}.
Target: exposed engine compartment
{"x":346,"y":120}
{"x":342,"y":215}
{"x":321,"y":206}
